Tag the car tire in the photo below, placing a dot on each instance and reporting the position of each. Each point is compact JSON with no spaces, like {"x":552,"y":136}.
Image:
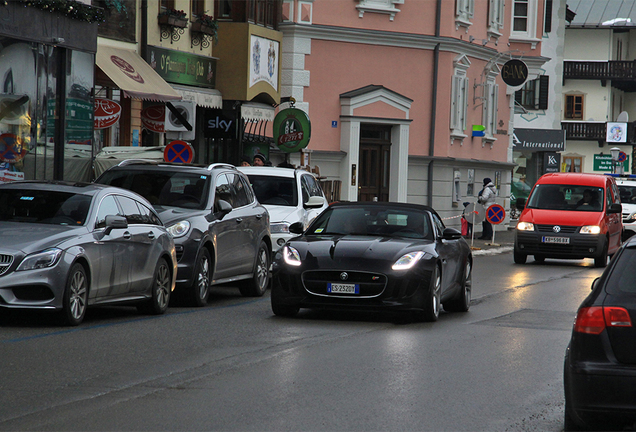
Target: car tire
{"x":200,"y":289}
{"x":75,"y":299}
{"x":257,"y":285}
{"x":539,"y":258}
{"x":160,"y":293}
{"x":601,"y":261}
{"x":461,"y":302}
{"x":519,"y":257}
{"x":432,"y":304}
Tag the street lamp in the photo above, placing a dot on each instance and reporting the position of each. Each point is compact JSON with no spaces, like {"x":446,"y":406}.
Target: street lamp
{"x":615,"y":152}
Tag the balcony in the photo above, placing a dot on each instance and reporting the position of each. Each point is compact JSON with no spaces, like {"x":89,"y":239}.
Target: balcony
{"x":593,"y":131}
{"x":622,"y":74}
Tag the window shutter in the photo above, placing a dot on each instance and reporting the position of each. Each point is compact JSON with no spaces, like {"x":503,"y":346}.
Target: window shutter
{"x":500,"y":18}
{"x":544,"y":91}
{"x":519,"y":96}
{"x":471,"y":8}
{"x":458,"y":7}
{"x":464,"y":103}
{"x":548,"y":16}
{"x":454,"y":103}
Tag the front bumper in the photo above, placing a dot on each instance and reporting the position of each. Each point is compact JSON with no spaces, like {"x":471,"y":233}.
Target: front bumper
{"x":571,"y":245}
{"x":34,"y":289}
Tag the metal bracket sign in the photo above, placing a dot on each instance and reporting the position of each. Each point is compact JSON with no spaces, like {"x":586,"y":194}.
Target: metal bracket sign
{"x":292,"y":130}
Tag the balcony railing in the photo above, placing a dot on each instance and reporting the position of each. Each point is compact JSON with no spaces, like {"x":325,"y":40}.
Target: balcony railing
{"x":593,"y":131}
{"x":621,"y":73}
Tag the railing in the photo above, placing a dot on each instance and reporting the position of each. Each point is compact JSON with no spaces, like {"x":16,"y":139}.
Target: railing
{"x":611,"y":70}
{"x":586,"y":131}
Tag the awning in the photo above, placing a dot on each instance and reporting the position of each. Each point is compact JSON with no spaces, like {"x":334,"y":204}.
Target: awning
{"x":133,"y":75}
{"x":254,"y":111}
{"x":203,"y":97}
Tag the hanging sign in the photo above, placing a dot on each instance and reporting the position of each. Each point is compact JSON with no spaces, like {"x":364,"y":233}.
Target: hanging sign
{"x":514,"y":72}
{"x":107,"y":113}
{"x":292,"y":130}
{"x":153,"y":118}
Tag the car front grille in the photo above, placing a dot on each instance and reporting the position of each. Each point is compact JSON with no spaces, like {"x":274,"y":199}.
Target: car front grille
{"x":563,"y":229}
{"x":5,"y":263}
{"x":371,"y":284}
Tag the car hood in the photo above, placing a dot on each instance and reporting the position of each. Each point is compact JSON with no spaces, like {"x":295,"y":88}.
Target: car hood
{"x":556,"y":217}
{"x":356,"y":252}
{"x":282,"y":213}
{"x":29,"y":238}
{"x":172,"y":215}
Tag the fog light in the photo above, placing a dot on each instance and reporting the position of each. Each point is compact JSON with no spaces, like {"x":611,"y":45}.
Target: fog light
{"x":280,"y":241}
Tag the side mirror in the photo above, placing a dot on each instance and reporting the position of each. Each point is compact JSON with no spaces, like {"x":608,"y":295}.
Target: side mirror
{"x":315,"y":202}
{"x":296,"y":228}
{"x":615,"y":208}
{"x":451,"y":234}
{"x":520,"y":203}
{"x":115,"y":222}
{"x":223,"y":207}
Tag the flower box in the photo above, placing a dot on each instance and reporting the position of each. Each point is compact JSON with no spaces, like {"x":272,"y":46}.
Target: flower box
{"x":200,"y":27}
{"x":173,"y":21}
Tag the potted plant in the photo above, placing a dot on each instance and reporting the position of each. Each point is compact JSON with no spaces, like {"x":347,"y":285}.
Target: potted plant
{"x":173,"y":17}
{"x":206,"y":24}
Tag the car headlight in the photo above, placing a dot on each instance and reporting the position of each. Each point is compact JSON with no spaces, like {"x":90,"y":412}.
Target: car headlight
{"x":291,"y":256}
{"x":525,"y":226}
{"x":279,"y":228}
{"x":408,"y":260}
{"x":39,"y":260}
{"x":591,"y":229}
{"x":179,"y":229}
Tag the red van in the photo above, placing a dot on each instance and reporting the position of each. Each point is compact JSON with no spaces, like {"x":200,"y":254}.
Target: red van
{"x":570,"y":216}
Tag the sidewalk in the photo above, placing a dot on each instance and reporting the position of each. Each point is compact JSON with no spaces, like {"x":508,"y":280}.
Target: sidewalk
{"x":503,"y":242}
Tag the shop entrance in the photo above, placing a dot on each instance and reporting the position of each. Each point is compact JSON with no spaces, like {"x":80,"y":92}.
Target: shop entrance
{"x":375,"y":152}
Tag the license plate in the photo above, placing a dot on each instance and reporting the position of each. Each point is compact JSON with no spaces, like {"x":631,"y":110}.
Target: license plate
{"x":559,"y":240}
{"x":337,"y":288}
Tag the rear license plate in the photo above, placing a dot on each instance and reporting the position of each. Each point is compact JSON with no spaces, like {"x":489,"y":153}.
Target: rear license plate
{"x":336,"y":288}
{"x":559,"y":240}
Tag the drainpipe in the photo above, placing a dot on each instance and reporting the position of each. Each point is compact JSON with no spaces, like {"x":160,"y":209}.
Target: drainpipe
{"x":431,"y":146}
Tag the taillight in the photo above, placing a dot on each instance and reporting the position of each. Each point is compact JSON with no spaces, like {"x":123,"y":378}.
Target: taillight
{"x":593,"y":320}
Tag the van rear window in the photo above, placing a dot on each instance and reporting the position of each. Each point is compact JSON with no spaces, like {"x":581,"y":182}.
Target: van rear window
{"x":567,"y":197}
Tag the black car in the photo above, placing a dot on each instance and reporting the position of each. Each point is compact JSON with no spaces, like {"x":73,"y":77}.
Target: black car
{"x":374,"y":256}
{"x":600,"y":361}
{"x":220,"y":230}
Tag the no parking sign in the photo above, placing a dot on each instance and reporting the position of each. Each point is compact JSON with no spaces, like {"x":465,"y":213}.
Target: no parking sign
{"x":179,"y":152}
{"x":495,"y":214}
{"x":12,"y":149}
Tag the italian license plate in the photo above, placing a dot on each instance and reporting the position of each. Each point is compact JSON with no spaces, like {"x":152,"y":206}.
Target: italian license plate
{"x":338,"y":288}
{"x":558,"y":240}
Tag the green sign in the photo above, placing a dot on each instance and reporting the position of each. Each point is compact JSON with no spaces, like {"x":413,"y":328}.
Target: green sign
{"x":292,"y":130}
{"x":604,"y":163}
{"x":182,"y":68}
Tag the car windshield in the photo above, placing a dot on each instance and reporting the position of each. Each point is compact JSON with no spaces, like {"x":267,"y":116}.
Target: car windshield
{"x":275,"y":190}
{"x":43,"y":206}
{"x":566,"y":197}
{"x":373,"y":221}
{"x":163,"y":188}
{"x":628,"y":194}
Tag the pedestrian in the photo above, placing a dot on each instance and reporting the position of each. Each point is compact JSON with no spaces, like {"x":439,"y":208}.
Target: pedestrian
{"x":246,"y":160}
{"x":487,"y":198}
{"x":259,"y":159}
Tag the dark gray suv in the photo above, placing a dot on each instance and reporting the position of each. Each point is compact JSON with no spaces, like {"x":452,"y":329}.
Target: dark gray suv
{"x":221,"y":232}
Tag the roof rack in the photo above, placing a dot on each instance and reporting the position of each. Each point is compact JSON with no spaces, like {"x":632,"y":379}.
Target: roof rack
{"x":138,"y":162}
{"x":221,"y":165}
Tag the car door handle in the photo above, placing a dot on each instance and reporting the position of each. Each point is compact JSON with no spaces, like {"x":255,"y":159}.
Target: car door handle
{"x":239,"y":220}
{"x":151,"y":235}
{"x":127,"y":235}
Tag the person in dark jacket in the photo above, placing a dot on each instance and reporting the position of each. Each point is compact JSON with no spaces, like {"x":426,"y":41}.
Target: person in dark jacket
{"x":487,"y":198}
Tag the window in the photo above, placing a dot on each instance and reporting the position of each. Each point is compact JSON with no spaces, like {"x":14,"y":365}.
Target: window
{"x":464,"y":12}
{"x":379,"y":6}
{"x":524,"y":19}
{"x":131,"y":211}
{"x":198,"y":9}
{"x":490,"y":105}
{"x":459,"y":97}
{"x":223,"y":9}
{"x":240,"y":196}
{"x":573,"y":163}
{"x":495,"y":17}
{"x":574,"y":107}
{"x":534,"y":94}
{"x":166,"y":5}
{"x":107,"y":207}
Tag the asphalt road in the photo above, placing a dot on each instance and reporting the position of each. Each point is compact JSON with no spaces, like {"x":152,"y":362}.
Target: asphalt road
{"x":234,"y":366}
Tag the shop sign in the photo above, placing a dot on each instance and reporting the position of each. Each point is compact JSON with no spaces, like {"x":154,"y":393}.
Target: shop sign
{"x":292,"y":130}
{"x":538,"y":140}
{"x":616,"y":132}
{"x":107,"y":113}
{"x":7,"y":176}
{"x":514,"y":72}
{"x":603,"y":162}
{"x":79,"y":121}
{"x":183,"y":68}
{"x":551,"y":162}
{"x":153,"y":118}
{"x":219,"y":124}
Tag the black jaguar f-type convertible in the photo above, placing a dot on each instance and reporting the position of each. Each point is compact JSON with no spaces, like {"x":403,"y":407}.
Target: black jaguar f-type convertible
{"x":374,"y":256}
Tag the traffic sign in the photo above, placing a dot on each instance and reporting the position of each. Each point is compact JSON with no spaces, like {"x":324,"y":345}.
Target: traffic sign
{"x":495,"y":214}
{"x":12,"y":148}
{"x":178,"y":152}
{"x":474,"y":213}
{"x":622,"y":156}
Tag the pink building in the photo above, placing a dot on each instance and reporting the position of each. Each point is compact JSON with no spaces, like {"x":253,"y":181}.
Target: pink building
{"x":394,"y":87}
